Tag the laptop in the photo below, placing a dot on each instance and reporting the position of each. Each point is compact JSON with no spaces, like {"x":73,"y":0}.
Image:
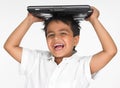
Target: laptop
{"x":79,"y":12}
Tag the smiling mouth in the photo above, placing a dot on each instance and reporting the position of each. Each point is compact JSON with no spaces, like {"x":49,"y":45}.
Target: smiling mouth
{"x":58,"y":47}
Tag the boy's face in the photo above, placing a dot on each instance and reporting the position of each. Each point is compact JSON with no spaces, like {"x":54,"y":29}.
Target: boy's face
{"x":60,"y":39}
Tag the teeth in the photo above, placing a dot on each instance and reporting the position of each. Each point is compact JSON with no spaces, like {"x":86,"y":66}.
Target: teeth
{"x":58,"y":45}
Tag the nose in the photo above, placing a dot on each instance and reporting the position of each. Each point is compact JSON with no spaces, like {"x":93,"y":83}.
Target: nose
{"x":57,"y":37}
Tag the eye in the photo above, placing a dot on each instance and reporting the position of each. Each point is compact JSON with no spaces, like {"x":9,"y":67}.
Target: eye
{"x":50,"y":35}
{"x":63,"y":33}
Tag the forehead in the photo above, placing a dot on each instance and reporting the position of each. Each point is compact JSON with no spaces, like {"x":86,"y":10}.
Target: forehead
{"x":58,"y":25}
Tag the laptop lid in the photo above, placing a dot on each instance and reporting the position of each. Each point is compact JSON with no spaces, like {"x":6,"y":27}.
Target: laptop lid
{"x":79,"y":12}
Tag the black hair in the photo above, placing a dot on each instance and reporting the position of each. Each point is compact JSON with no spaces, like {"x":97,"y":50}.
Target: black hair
{"x":67,"y":19}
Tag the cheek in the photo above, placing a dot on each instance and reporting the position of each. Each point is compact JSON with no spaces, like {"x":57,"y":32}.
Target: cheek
{"x":69,"y":42}
{"x":49,"y":41}
{"x":72,"y":41}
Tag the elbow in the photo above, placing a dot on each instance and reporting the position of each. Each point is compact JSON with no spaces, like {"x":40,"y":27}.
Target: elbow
{"x":6,"y":47}
{"x":113,"y":52}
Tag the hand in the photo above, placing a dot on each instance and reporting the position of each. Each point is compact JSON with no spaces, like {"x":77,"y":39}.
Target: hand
{"x":94,"y":15}
{"x":33,"y":18}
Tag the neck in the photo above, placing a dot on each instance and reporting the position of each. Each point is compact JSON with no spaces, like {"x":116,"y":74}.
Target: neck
{"x":58,"y":60}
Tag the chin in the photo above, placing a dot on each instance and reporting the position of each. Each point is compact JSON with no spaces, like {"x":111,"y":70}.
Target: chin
{"x":59,"y":56}
{"x":61,"y":53}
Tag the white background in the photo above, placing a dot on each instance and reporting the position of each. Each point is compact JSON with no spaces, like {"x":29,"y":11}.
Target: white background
{"x":13,"y":12}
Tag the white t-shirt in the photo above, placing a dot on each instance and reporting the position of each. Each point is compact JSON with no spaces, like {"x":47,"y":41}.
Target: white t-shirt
{"x":41,"y":71}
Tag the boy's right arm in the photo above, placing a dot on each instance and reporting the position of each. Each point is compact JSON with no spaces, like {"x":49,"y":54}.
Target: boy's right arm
{"x":12,"y":45}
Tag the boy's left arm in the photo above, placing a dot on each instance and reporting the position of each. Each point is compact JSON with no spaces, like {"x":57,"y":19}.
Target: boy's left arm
{"x":100,"y":59}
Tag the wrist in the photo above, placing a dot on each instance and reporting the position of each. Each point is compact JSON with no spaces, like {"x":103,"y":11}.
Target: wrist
{"x":93,"y":21}
{"x":28,"y":20}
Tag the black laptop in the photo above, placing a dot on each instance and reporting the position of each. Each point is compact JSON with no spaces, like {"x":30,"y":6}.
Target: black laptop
{"x":79,"y":12}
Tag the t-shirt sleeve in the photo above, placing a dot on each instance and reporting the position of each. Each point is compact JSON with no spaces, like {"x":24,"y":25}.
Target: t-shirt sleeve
{"x":87,"y":68}
{"x":85,"y":62}
{"x":87,"y":71}
{"x":28,"y":60}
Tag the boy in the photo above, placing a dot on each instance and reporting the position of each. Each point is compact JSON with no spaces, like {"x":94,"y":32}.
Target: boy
{"x":62,"y":67}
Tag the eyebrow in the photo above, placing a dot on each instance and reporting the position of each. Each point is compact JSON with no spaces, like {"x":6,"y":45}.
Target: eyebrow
{"x":59,"y":30}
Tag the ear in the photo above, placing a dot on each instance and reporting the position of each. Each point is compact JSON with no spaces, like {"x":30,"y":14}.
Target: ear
{"x":76,"y":40}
